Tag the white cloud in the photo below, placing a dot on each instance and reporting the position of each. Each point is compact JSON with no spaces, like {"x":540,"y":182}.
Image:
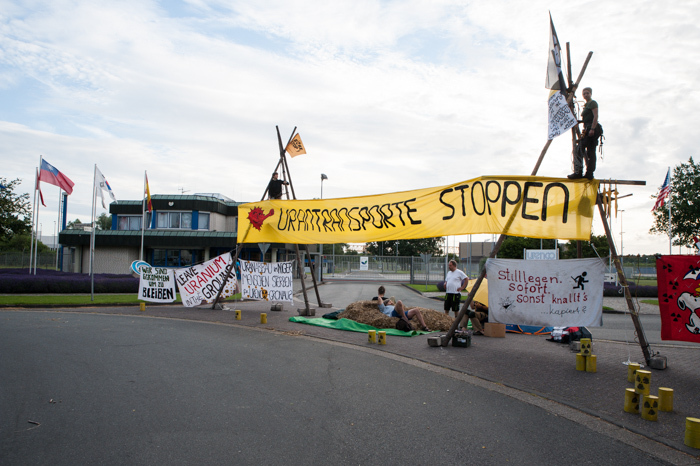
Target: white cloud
{"x":418,"y":93}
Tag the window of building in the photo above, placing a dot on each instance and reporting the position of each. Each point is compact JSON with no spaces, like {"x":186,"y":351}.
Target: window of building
{"x":203,"y":221}
{"x":174,"y":220}
{"x":174,"y":257}
{"x":129,"y":222}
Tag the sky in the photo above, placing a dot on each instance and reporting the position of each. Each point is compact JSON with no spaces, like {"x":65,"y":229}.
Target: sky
{"x":386,"y":95}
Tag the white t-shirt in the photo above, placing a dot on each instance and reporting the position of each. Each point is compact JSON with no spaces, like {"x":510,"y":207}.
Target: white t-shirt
{"x":454,"y":280}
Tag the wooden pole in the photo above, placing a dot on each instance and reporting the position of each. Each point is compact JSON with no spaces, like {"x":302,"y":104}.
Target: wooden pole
{"x":623,"y":281}
{"x":501,"y":238}
{"x":239,"y":248}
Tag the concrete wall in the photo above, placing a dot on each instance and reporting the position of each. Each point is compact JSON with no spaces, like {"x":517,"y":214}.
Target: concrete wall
{"x":109,"y":259}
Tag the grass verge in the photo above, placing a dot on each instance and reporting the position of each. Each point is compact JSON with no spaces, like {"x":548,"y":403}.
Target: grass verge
{"x":59,"y":300}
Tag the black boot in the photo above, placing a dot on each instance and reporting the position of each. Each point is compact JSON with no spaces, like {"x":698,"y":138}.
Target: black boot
{"x":588,"y":176}
{"x":575,"y":176}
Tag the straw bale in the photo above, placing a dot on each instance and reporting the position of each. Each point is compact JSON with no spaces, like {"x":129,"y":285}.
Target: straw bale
{"x":367,"y":312}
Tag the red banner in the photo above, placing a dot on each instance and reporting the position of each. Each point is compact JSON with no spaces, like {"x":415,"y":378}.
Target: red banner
{"x":678,"y":278}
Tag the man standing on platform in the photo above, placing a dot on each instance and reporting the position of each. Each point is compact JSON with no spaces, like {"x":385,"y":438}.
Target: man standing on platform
{"x":455,"y":282}
{"x":274,"y":189}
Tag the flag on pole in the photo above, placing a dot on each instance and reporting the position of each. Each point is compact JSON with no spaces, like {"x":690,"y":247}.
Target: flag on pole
{"x":38,"y":187}
{"x":149,"y":204}
{"x":295,"y":146}
{"x":560,"y":117}
{"x":49,"y":174}
{"x":664,"y":191}
{"x":102,"y":186}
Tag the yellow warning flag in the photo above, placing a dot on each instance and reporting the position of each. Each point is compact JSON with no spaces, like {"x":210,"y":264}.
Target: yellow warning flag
{"x":295,"y":146}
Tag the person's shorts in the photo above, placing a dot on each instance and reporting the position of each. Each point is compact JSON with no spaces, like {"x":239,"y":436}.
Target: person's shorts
{"x":396,"y":314}
{"x":452,"y":302}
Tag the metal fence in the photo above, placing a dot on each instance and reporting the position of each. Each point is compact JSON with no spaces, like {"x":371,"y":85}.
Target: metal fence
{"x":20,"y":260}
{"x":389,"y":268}
{"x":413,"y":270}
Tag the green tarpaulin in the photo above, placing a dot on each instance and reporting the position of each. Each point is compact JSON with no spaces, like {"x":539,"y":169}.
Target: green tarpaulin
{"x":351,"y":326}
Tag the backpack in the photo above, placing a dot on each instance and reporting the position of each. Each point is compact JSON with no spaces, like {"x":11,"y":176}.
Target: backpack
{"x":403,"y":326}
{"x":576,"y":333}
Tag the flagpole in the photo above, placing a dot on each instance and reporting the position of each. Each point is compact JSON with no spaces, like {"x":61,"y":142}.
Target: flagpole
{"x":92,"y":236}
{"x":36,"y":236}
{"x":668,"y":200}
{"x":143,"y":213}
{"x":31,"y":241}
{"x":58,"y":223}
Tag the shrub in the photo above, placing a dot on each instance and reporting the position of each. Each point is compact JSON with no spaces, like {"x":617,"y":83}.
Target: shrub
{"x":20,"y":281}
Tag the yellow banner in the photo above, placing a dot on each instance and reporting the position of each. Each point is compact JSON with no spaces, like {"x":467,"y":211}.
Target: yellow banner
{"x":535,"y":207}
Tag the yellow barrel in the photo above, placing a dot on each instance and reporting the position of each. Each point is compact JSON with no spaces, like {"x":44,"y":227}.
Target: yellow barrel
{"x":142,"y":307}
{"x":586,"y":348}
{"x":692,"y":423}
{"x":592,"y":363}
{"x":665,"y":399}
{"x":632,"y":369}
{"x":642,"y":381}
{"x":382,"y":337}
{"x":692,"y":432}
{"x":238,"y":314}
{"x":631,"y":401}
{"x":580,"y":362}
{"x":650,"y":407}
{"x":372,"y":336}
{"x":263,"y":318}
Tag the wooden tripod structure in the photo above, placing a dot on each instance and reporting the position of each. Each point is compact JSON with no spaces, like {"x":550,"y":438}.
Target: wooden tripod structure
{"x":286,"y":175}
{"x":646,"y":350}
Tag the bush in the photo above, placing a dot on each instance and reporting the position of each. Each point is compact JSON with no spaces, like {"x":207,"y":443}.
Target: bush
{"x":20,"y":281}
{"x":639,"y":291}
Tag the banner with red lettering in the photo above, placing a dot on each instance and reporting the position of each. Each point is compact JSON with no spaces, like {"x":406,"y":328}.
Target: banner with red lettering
{"x":556,"y":293}
{"x":678,"y":278}
{"x":201,"y":283}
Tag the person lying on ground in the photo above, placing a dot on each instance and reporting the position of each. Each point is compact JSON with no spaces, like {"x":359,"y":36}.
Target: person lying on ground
{"x":398,"y":310}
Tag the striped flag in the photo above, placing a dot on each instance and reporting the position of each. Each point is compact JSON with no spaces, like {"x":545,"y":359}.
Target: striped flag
{"x":663,"y":192}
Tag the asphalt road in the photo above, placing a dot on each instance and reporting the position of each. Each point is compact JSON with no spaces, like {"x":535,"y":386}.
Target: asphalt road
{"x":89,"y":389}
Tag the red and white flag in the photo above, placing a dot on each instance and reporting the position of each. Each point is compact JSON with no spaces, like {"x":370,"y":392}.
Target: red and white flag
{"x":664,"y":191}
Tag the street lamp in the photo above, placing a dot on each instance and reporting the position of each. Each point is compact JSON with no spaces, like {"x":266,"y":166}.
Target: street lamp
{"x":320,"y":246}
{"x":323,"y":177}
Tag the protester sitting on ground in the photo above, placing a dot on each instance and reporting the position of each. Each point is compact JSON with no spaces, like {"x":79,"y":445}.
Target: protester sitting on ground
{"x":398,"y":310}
{"x":478,"y":316}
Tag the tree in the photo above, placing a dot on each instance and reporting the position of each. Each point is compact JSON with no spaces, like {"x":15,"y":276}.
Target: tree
{"x":73,"y":225}
{"x":406,"y":247}
{"x":104,"y":222}
{"x":685,"y":208}
{"x":15,"y":211}
{"x":599,"y":243}
{"x":513,"y":246}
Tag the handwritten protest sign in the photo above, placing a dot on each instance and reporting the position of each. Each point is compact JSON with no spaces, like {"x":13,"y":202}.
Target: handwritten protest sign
{"x":267,"y":281}
{"x":557,"y":293}
{"x":201,"y":283}
{"x":157,"y":284}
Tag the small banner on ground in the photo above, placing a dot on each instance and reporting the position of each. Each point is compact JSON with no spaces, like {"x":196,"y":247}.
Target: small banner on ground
{"x":156,"y":284}
{"x":267,"y":281}
{"x":201,"y":283}
{"x":560,"y":293}
{"x":519,"y":206}
{"x":679,"y":297}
